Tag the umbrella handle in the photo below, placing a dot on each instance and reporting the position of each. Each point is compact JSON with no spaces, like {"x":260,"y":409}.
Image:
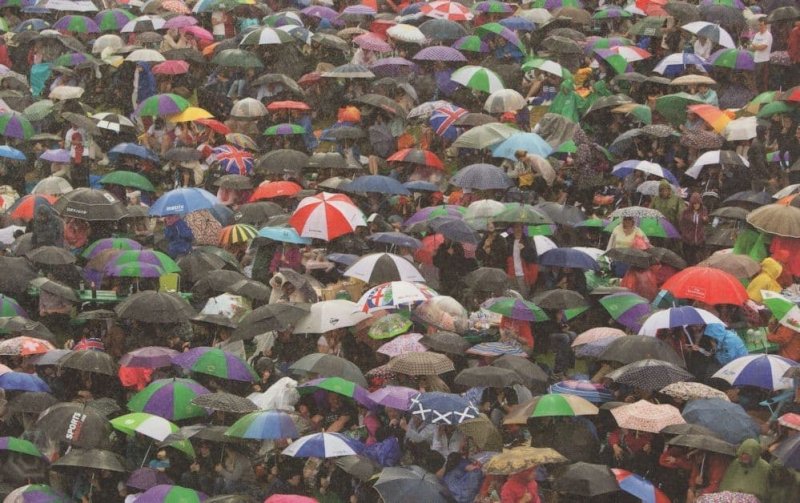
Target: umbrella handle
{"x":146,"y":453}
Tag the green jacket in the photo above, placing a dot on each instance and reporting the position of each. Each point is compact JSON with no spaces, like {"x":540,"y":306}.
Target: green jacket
{"x":671,"y":207}
{"x":751,"y":478}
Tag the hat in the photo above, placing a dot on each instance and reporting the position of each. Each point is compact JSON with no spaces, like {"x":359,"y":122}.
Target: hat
{"x":263,"y":364}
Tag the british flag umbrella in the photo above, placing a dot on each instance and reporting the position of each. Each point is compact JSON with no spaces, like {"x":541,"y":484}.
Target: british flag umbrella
{"x":326,"y":216}
{"x":442,"y":120}
{"x":233,"y":160}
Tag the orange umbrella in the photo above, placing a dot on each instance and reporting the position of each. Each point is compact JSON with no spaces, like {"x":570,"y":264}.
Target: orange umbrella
{"x":287,"y":105}
{"x":715,"y":117}
{"x":271,"y":190}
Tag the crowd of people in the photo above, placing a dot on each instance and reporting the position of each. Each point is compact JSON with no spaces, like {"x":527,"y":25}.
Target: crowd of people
{"x":319,"y":250}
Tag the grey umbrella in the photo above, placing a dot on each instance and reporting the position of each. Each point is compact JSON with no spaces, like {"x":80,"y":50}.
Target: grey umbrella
{"x":649,"y":374}
{"x":688,"y":429}
{"x":559,"y":299}
{"x":442,"y":30}
{"x":50,"y":255}
{"x":683,"y":12}
{"x":561,"y":214}
{"x":23,"y":326}
{"x":269,"y":318}
{"x":562,"y":44}
{"x":15,"y":275}
{"x":258,"y":213}
{"x":55,"y":288}
{"x":494,"y":377}
{"x":326,"y":365}
{"x":403,"y":484}
{"x":632,"y":348}
{"x":446,"y":342}
{"x":281,"y":161}
{"x":225,"y":402}
{"x":361,"y":467}
{"x":250,"y":289}
{"x":454,"y":229}
{"x":534,"y":377}
{"x":587,"y":480}
{"x":197,"y":264}
{"x":785,"y":13}
{"x":705,"y":443}
{"x":236,"y":182}
{"x":215,"y":283}
{"x":630,"y":256}
{"x":279,"y":78}
{"x":155,"y":307}
{"x":98,"y":362}
{"x":487,"y":279}
{"x":92,"y":205}
{"x":481,"y":177}
{"x":332,"y":160}
{"x":74,"y":423}
{"x":98,"y":459}
{"x":31,"y":402}
{"x":667,"y":256}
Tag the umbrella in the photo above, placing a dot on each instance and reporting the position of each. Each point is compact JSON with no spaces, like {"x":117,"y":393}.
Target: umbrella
{"x":692,"y":390}
{"x":50,"y":255}
{"x":487,"y":279}
{"x":446,"y":342}
{"x":170,"y":399}
{"x":182,"y":201}
{"x":20,"y":381}
{"x":646,"y":416}
{"x":148,"y":357}
{"x":91,"y":205}
{"x":478,"y":78}
{"x":237,"y":58}
{"x":269,"y":318}
{"x":442,"y":30}
{"x":788,"y":452}
{"x":740,"y":266}
{"x":323,"y":445}
{"x":559,"y":299}
{"x":724,"y":157}
{"x":761,"y":371}
{"x":225,"y":402}
{"x":329,"y":315}
{"x":625,"y":168}
{"x":97,"y":459}
{"x":570,"y":258}
{"x":215,"y":362}
{"x":14,"y":444}
{"x":595,"y":393}
{"x":519,"y":459}
{"x":10,"y":307}
{"x":632,"y":348}
{"x":639,"y":487}
{"x":149,"y":425}
{"x":708,"y":285}
{"x":728,"y":420}
{"x":493,"y":377}
{"x":264,"y":425}
{"x":394,"y":294}
{"x":419,"y":364}
{"x":481,"y":177}
{"x":778,"y":219}
{"x":128,"y":179}
{"x":74,"y":423}
{"x":329,"y":366}
{"x":166,"y":493}
{"x":550,"y":405}
{"x":504,"y":100}
{"x":52,"y":185}
{"x":405,"y":343}
{"x":626,"y":308}
{"x":442,"y":408}
{"x":399,"y":484}
{"x":375,"y":183}
{"x":677,"y":317}
{"x":517,"y":309}
{"x":442,"y":119}
{"x":496,"y":349}
{"x":326,"y":216}
{"x":533,"y":376}
{"x":97,"y":362}
{"x":587,"y":480}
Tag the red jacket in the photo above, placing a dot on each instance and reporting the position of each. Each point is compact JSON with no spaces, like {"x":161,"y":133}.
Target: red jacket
{"x":794,"y":45}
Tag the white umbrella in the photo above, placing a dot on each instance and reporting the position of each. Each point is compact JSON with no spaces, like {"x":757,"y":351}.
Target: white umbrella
{"x":504,"y":100}
{"x":538,"y":16}
{"x":675,"y":317}
{"x":743,"y":128}
{"x":155,"y":21}
{"x":108,"y":40}
{"x":711,"y":31}
{"x":146,"y":55}
{"x":786,"y":191}
{"x":383,"y":267}
{"x":70,"y":5}
{"x":480,"y":212}
{"x":716,"y":157}
{"x":66,"y":93}
{"x":329,"y":315}
{"x":406,"y":33}
{"x":52,"y":185}
{"x":478,"y":78}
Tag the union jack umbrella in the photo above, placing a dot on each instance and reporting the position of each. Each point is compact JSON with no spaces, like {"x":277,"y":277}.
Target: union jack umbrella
{"x":451,"y":11}
{"x":326,"y":216}
{"x":443,"y":119}
{"x":234,"y":161}
{"x":393,"y":295}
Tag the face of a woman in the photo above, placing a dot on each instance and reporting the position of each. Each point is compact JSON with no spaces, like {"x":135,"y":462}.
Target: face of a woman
{"x":627,"y":223}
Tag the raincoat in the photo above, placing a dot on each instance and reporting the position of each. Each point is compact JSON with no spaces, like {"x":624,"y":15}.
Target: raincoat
{"x":789,"y":248}
{"x":671,"y":207}
{"x":692,"y":223}
{"x":750,"y":477}
{"x":519,"y":485}
{"x":566,"y":102}
{"x":788,"y":340}
{"x":767,"y":279}
{"x":463,"y":484}
{"x":729,"y":345}
{"x":179,"y":237}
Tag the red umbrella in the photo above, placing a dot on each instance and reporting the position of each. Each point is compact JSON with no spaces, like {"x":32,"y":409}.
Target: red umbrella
{"x":310,"y":78}
{"x":199,"y":33}
{"x":270,"y":190}
{"x":429,"y":245}
{"x":417,"y":156}
{"x":639,"y":487}
{"x":214,"y":125}
{"x":171,"y":67}
{"x":24,"y":207}
{"x":287,"y":105}
{"x":326,"y":216}
{"x":707,"y":285}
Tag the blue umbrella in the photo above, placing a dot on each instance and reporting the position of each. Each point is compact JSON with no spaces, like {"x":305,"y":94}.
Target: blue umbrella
{"x":530,"y":142}
{"x":442,"y":408}
{"x":323,"y":445}
{"x":421,"y":186}
{"x":183,"y":201}
{"x":481,"y":177}
{"x":396,"y":239}
{"x":376,"y":183}
{"x":625,"y":168}
{"x":517,"y":23}
{"x":595,"y":393}
{"x":568,"y":257}
{"x":454,"y":229}
{"x":133,"y":150}
{"x":34,"y":24}
{"x":11,"y":153}
{"x":347,"y":259}
{"x":264,"y":425}
{"x":788,"y":452}
{"x":728,"y":420}
{"x":20,"y":381}
{"x":284,"y":235}
{"x":443,"y":121}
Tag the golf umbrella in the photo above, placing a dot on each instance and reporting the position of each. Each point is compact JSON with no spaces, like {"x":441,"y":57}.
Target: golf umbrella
{"x":225,"y":402}
{"x":784,"y":309}
{"x":728,"y":420}
{"x":183,"y":201}
{"x":98,"y":362}
{"x":761,"y":371}
{"x":519,"y":459}
{"x":326,"y":216}
{"x":329,"y":315}
{"x":155,"y":307}
{"x":98,"y":459}
{"x":170,"y":399}
{"x":326,"y":365}
{"x":707,"y":285}
{"x":593,"y":392}
{"x":215,"y":362}
{"x":149,"y":425}
{"x":517,"y":309}
{"x":442,"y":408}
{"x":264,"y":425}
{"x":646,"y":416}
{"x":587,"y":480}
{"x":18,"y":445}
{"x":777,"y":219}
{"x":420,"y":364}
{"x":74,"y":423}
{"x":626,"y":308}
{"x":21,"y":381}
{"x":570,"y":258}
{"x":151,"y":357}
{"x":639,"y":487}
{"x":551,"y":405}
{"x":323,"y":445}
{"x":166,"y":493}
{"x":383,"y":268}
{"x":632,"y":348}
{"x":677,"y":317}
{"x":91,"y":205}
{"x":50,"y":255}
{"x":397,"y":484}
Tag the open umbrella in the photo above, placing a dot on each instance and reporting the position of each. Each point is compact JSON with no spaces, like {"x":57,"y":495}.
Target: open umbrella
{"x":98,"y":459}
{"x":264,"y":425}
{"x":646,"y":416}
{"x":329,"y":366}
{"x":75,"y":423}
{"x":587,"y":480}
{"x":677,"y":317}
{"x":399,"y":484}
{"x":170,"y":399}
{"x":778,"y":219}
{"x":550,"y":405}
{"x":728,"y":420}
{"x":326,"y":216}
{"x":649,"y":374}
{"x":761,"y":371}
{"x":419,"y":364}
{"x":518,"y":459}
{"x":708,"y":285}
{"x":442,"y":408}
{"x":632,"y":348}
{"x":215,"y":362}
{"x":323,"y":445}
{"x":639,"y":487}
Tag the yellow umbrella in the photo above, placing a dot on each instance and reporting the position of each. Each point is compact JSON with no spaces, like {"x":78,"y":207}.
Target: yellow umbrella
{"x":191,"y":114}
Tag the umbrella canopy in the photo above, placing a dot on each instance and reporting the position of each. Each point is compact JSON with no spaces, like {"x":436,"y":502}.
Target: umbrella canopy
{"x":778,"y":219}
{"x":329,"y":315}
{"x":97,"y":459}
{"x":419,"y":364}
{"x":170,"y":399}
{"x":155,"y":307}
{"x":264,"y":425}
{"x":398,"y":484}
{"x":166,"y":493}
{"x":91,"y":205}
{"x":726,"y":419}
{"x":493,"y":377}
{"x":323,"y":445}
{"x":74,"y":423}
{"x":692,"y":390}
{"x":646,"y":416}
{"x":677,"y":317}
{"x":639,"y":487}
{"x":649,"y":374}
{"x":550,"y":405}
{"x":215,"y":362}
{"x":326,"y":216}
{"x":519,"y":459}
{"x":632,"y":348}
{"x":708,"y":285}
{"x":761,"y":371}
{"x":587,"y":480}
{"x":329,"y":366}
{"x":442,"y":408}
{"x":97,"y":362}
{"x":703,"y":442}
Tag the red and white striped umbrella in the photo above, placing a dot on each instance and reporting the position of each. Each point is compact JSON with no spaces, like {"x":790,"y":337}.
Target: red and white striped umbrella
{"x":451,"y":11}
{"x":326,"y":216}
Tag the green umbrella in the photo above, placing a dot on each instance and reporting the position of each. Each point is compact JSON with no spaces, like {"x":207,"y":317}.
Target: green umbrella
{"x":333,"y":384}
{"x":673,"y":106}
{"x":518,"y":309}
{"x":478,"y":78}
{"x":551,"y":405}
{"x":170,"y":399}
{"x":548,"y":66}
{"x":643,"y":113}
{"x":615,"y":61}
{"x":38,"y":110}
{"x":390,"y":326}
{"x":471,"y":43}
{"x":540,"y":230}
{"x":128,"y":179}
{"x":19,"y":445}
{"x":523,"y":214}
{"x":756,"y":103}
{"x":785,"y":311}
{"x":152,"y":257}
{"x":774,"y":108}
{"x":237,"y":58}
{"x":568,"y":147}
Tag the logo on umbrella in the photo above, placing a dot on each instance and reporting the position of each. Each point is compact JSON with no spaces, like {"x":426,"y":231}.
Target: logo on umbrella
{"x":75,"y":426}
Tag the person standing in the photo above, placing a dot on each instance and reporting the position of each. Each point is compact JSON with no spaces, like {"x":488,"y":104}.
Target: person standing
{"x":762,"y":48}
{"x":670,"y":205}
{"x":794,"y":52}
{"x":521,"y":260}
{"x":692,"y":228}
{"x":748,"y":473}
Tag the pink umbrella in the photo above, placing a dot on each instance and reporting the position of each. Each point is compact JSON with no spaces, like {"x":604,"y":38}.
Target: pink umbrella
{"x":199,"y":33}
{"x":406,"y":343}
{"x":180,"y":22}
{"x":171,"y":67}
{"x":372,"y":42}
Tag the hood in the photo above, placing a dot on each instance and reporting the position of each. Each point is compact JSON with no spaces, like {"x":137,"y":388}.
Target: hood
{"x":716,"y":331}
{"x":771,"y":267}
{"x":664,"y":184}
{"x":696,"y":198}
{"x":751,"y":447}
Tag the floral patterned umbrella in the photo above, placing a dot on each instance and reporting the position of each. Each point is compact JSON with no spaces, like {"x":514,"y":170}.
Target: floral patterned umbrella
{"x":406,"y":343}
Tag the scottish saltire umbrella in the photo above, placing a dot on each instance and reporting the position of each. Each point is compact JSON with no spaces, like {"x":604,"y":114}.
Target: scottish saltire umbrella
{"x":593,"y":392}
{"x":761,"y":371}
{"x":149,"y":425}
{"x":170,"y":399}
{"x":323,"y":445}
{"x":639,"y":487}
{"x":264,"y":425}
{"x":393,"y":295}
{"x":626,"y":308}
{"x":14,"y":444}
{"x":677,"y":317}
{"x":233,"y":160}
{"x":215,"y":362}
{"x":183,"y":201}
{"x":326,"y":216}
{"x":165,"y":493}
{"x":442,"y":408}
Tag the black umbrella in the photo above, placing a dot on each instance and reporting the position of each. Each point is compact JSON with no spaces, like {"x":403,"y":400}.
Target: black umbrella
{"x":23,"y":326}
{"x":344,"y":133}
{"x":97,"y":314}
{"x":587,"y":480}
{"x":632,"y":348}
{"x":382,"y":102}
{"x":269,"y":318}
{"x":329,"y":366}
{"x":786,"y":13}
{"x":494,"y":377}
{"x":648,"y":374}
{"x":92,"y":205}
{"x":630,"y":256}
{"x":446,"y":342}
{"x":487,"y":279}
{"x":225,"y":402}
{"x":688,"y":429}
{"x":182,"y":154}
{"x":98,"y":362}
{"x":215,"y":283}
{"x":562,"y":45}
{"x":257,"y":213}
{"x":561,"y":214}
{"x":197,"y":264}
{"x":31,"y":402}
{"x":155,"y":307}
{"x":360,"y":467}
{"x":683,"y":12}
{"x":412,"y":483}
{"x":442,"y":30}
{"x":559,"y":299}
{"x":704,"y":443}
{"x":15,"y":275}
{"x":749,"y":199}
{"x":74,"y":423}
{"x":730,"y":18}
{"x":724,"y":237}
{"x":667,"y":256}
{"x":250,"y":289}
{"x":609,"y":102}
{"x":331,"y":160}
{"x":473,"y":119}
{"x":50,"y":255}
{"x":55,"y":288}
{"x":105,"y":406}
{"x":534,"y":377}
{"x":235,"y":182}
{"x":98,"y":459}
{"x":281,"y":161}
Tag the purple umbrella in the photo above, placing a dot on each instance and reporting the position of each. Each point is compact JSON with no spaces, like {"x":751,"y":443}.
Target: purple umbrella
{"x":180,"y":22}
{"x":320,"y":11}
{"x":216,"y":362}
{"x":55,"y":155}
{"x":439,"y":53}
{"x":150,"y":357}
{"x":396,"y":397}
{"x":431,"y":212}
{"x":392,"y":67}
{"x":358,"y":10}
{"x":359,"y":394}
{"x":145,"y":478}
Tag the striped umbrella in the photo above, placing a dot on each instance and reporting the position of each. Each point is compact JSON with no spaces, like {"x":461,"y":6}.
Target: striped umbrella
{"x":170,"y":399}
{"x":452,"y":11}
{"x":735,"y":59}
{"x":266,"y":36}
{"x":551,"y":405}
{"x":10,"y":307}
{"x":285,"y":129}
{"x":323,"y":445}
{"x":74,"y":59}
{"x":15,"y":125}
{"x":326,"y":216}
{"x":471,"y":43}
{"x":215,"y":362}
{"x":152,"y":257}
{"x":478,"y":78}
{"x":104,"y":244}
{"x":556,"y":4}
{"x":24,"y":207}
{"x":165,"y":493}
{"x":133,"y":270}
{"x":264,"y":425}
{"x":149,"y":425}
{"x":626,"y":308}
{"x":14,"y":444}
{"x":496,"y":349}
{"x":517,"y":309}
{"x":76,"y":24}
{"x":237,"y":233}
{"x":761,"y":371}
{"x":677,"y":317}
{"x":162,"y":105}
{"x":38,"y":493}
{"x":112,"y":19}
{"x":593,"y":392}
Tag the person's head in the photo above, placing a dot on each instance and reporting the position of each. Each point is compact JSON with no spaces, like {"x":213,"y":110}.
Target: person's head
{"x":627,"y":223}
{"x":204,"y":449}
{"x":664,"y":189}
{"x":518,"y":230}
{"x":762,"y":25}
{"x":696,"y":201}
{"x":334,"y":400}
{"x":161,"y":455}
